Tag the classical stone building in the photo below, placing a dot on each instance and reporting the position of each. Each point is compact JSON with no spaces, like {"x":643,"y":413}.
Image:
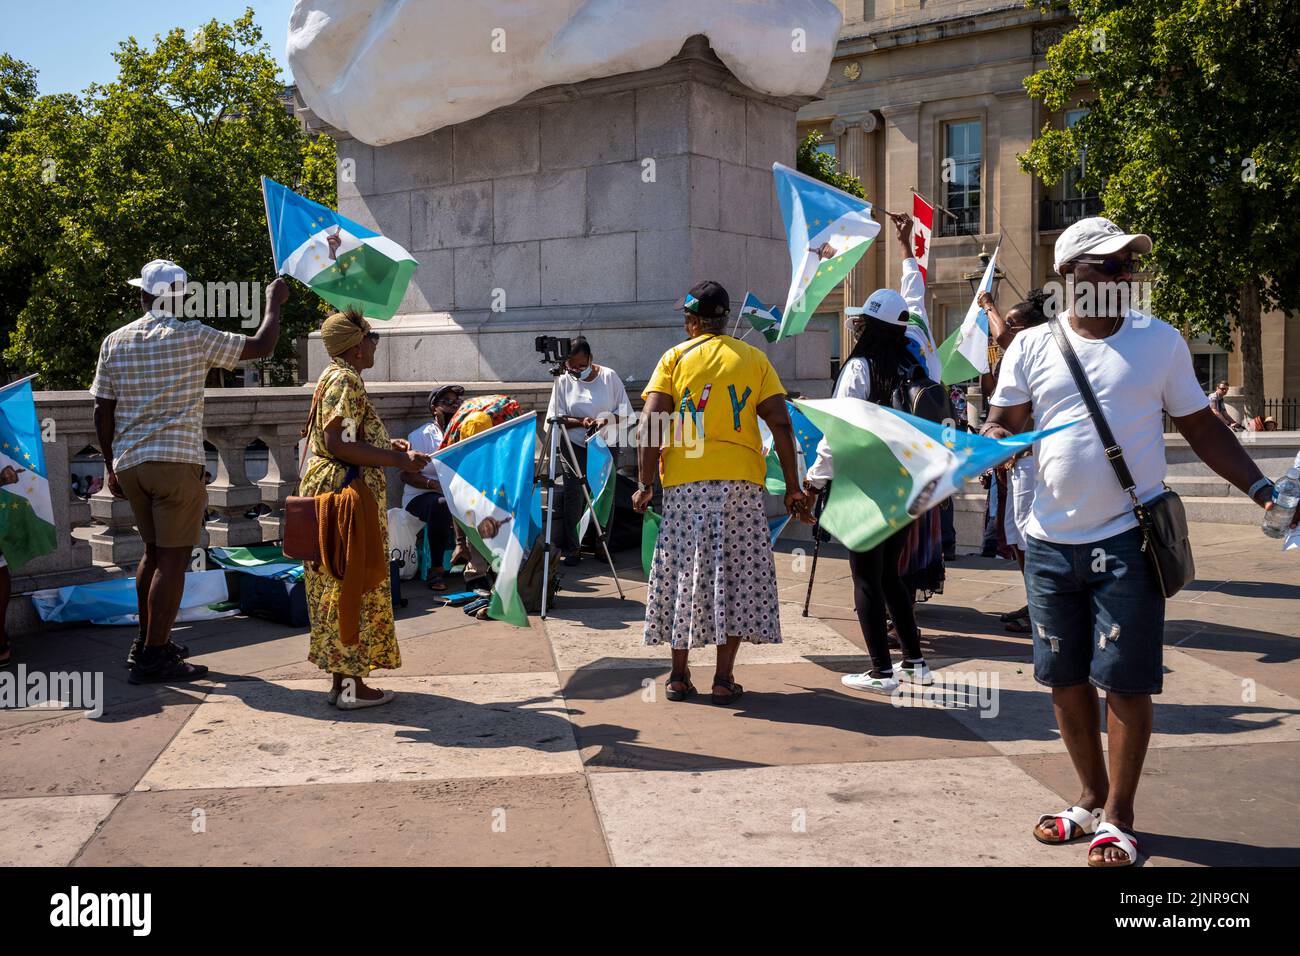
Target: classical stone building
{"x":915,"y":82}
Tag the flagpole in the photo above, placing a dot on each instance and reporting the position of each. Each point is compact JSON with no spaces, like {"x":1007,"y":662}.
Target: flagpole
{"x":270,"y":230}
{"x":17,"y":382}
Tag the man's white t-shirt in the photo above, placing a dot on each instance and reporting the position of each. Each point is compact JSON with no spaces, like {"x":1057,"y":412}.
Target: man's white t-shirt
{"x":1137,"y":373}
{"x":427,"y":439}
{"x":603,"y":396}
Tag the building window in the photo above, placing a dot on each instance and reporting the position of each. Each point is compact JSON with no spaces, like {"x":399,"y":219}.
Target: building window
{"x":1070,"y":202}
{"x":1211,"y":368}
{"x":960,"y":175}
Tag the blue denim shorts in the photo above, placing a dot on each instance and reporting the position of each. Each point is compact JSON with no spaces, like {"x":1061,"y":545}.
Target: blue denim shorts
{"x":1098,"y":614}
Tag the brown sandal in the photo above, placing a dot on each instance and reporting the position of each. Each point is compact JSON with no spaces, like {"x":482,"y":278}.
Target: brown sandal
{"x":734,"y":690}
{"x":679,"y":678}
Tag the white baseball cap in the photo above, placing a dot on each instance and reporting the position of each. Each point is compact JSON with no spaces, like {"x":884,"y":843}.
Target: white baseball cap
{"x":159,"y":277}
{"x":884,"y":304}
{"x":1098,"y":236}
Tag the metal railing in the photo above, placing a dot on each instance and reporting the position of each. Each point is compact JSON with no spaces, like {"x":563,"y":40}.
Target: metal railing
{"x":961,"y":222}
{"x":1059,"y":213}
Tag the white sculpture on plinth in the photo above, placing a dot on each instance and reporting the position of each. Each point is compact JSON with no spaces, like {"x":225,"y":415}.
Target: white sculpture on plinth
{"x":389,"y":70}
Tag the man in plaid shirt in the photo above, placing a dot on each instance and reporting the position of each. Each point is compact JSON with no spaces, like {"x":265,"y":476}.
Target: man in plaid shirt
{"x":148,"y":392}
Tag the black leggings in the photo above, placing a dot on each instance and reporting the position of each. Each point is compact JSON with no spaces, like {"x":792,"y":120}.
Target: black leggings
{"x":877,"y":585}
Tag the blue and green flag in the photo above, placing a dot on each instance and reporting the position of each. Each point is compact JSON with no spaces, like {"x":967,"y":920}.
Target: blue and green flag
{"x":362,"y":269}
{"x":26,"y":515}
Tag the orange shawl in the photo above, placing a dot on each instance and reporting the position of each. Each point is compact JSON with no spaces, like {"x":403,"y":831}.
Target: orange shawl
{"x":352,"y":550}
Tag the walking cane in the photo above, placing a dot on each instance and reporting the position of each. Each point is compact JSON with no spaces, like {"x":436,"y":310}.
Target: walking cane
{"x":817,"y":545}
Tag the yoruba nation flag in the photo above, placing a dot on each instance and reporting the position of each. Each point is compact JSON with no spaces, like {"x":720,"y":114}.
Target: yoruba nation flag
{"x":26,"y":516}
{"x":965,"y":353}
{"x":600,"y":478}
{"x":806,"y":438}
{"x":365,"y":269}
{"x":765,"y":319}
{"x":922,"y":228}
{"x":649,"y":538}
{"x":490,"y":475}
{"x":891,"y":466}
{"x":820,"y":221}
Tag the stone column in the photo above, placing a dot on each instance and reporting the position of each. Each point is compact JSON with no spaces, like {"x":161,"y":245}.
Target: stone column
{"x":856,"y":145}
{"x":115,"y":540}
{"x":281,"y":477}
{"x":231,"y":494}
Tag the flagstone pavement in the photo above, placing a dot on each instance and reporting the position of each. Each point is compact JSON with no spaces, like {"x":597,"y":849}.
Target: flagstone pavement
{"x":555,"y":745}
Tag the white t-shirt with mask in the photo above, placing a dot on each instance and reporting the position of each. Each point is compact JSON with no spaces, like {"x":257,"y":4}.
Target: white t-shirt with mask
{"x":603,"y":397}
{"x":1140,"y":371}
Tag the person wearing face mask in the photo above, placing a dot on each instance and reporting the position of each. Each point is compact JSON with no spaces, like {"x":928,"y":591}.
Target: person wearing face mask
{"x":586,"y":398}
{"x":352,"y":628}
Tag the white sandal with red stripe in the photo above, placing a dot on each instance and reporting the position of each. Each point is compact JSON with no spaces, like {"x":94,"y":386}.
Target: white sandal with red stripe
{"x":1071,"y":824}
{"x":1108,"y":834}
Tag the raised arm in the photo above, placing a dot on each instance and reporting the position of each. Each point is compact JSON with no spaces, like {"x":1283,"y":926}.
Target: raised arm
{"x":262,"y":343}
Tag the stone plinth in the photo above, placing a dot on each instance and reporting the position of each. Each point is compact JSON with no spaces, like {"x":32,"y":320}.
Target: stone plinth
{"x":589,"y":209}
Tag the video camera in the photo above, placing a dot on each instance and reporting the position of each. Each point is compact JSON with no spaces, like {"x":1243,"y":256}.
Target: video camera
{"x":554,"y":352}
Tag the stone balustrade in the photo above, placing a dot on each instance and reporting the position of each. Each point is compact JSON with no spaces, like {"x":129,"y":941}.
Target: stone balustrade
{"x":97,"y":538}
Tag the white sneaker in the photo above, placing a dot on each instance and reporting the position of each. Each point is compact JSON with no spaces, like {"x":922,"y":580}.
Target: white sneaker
{"x":918,"y":673}
{"x":872,"y":685}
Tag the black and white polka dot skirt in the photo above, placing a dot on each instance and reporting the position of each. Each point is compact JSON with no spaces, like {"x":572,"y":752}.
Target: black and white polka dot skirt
{"x":712,"y":575}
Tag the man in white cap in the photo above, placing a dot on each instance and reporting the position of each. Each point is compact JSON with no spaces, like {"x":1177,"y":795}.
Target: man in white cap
{"x":148,"y":393}
{"x":1095,"y":604}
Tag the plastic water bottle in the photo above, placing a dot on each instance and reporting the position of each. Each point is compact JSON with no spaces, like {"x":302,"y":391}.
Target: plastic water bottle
{"x":1286,"y":496}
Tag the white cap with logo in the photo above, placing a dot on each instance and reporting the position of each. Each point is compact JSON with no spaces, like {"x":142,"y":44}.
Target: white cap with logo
{"x":884,"y":304}
{"x":1097,"y":236}
{"x":159,"y":277}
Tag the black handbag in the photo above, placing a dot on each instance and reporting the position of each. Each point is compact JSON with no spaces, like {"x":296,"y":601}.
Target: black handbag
{"x":1162,"y":520}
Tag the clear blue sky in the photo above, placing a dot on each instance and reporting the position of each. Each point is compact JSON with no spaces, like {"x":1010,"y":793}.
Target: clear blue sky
{"x":71,"y":42}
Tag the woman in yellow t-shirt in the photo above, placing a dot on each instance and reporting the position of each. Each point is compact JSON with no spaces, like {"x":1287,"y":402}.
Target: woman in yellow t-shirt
{"x":712,"y":580}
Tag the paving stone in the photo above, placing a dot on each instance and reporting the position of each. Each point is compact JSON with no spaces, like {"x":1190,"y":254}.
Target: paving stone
{"x":265,"y":733}
{"x":497,"y":821}
{"x":888,"y":813}
{"x":605,"y":632}
{"x":1201,"y":706}
{"x":49,"y":831}
{"x":789,"y":713}
{"x":1253,"y":825}
{"x":75,"y":754}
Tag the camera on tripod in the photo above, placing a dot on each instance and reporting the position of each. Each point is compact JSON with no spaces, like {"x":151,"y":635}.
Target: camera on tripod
{"x":554,"y":351}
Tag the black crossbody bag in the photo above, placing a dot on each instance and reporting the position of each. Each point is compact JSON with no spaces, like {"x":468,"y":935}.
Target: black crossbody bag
{"x":1162,"y":520}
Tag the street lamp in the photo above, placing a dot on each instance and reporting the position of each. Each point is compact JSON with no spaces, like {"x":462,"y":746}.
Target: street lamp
{"x":974,"y":277}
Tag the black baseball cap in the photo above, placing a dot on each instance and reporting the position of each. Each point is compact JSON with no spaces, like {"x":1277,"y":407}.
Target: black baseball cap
{"x":708,"y":300}
{"x":438,"y":390}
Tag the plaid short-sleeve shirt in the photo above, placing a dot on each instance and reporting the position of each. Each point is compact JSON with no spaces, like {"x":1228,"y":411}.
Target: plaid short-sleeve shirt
{"x":154,"y":369}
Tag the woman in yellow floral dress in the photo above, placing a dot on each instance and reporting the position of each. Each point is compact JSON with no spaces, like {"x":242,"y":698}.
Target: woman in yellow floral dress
{"x":345,"y":431}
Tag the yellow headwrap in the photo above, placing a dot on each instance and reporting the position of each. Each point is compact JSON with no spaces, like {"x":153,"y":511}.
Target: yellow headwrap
{"x":340,"y":333}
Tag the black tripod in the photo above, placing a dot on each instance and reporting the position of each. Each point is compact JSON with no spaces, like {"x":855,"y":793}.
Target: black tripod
{"x":546,"y":468}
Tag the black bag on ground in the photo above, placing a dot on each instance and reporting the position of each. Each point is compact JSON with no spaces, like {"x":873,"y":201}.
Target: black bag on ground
{"x":919,"y":395}
{"x":529,"y":582}
{"x":274,"y":600}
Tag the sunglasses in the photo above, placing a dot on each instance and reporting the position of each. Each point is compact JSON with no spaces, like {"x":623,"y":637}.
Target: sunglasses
{"x":372,"y":336}
{"x":1110,"y":265}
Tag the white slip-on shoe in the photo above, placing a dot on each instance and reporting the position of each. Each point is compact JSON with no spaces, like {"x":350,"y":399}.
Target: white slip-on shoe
{"x":872,"y":685}
{"x":358,"y":703}
{"x":914,"y":672}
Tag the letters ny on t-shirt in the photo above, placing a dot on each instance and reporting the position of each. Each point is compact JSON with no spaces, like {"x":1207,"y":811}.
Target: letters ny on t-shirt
{"x":716,"y":387}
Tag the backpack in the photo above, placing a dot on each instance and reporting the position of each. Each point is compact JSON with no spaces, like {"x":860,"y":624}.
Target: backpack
{"x":498,"y":409}
{"x":919,"y":395}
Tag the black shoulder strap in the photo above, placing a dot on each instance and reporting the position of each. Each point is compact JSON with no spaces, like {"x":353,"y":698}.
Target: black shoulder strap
{"x":1114,"y":453}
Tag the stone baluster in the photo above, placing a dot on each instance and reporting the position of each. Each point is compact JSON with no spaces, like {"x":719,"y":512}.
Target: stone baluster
{"x":115,"y":540}
{"x":231,"y":495}
{"x":281,"y":476}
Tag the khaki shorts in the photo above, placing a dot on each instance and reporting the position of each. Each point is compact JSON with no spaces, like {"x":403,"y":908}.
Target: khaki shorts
{"x":168,"y":499}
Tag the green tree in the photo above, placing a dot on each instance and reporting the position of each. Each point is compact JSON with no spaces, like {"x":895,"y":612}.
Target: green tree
{"x":1191,"y":136}
{"x":811,"y":161}
{"x":17,"y":92}
{"x":161,"y":163}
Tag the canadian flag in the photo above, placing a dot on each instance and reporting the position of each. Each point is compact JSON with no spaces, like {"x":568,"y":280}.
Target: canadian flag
{"x":923,"y":217}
